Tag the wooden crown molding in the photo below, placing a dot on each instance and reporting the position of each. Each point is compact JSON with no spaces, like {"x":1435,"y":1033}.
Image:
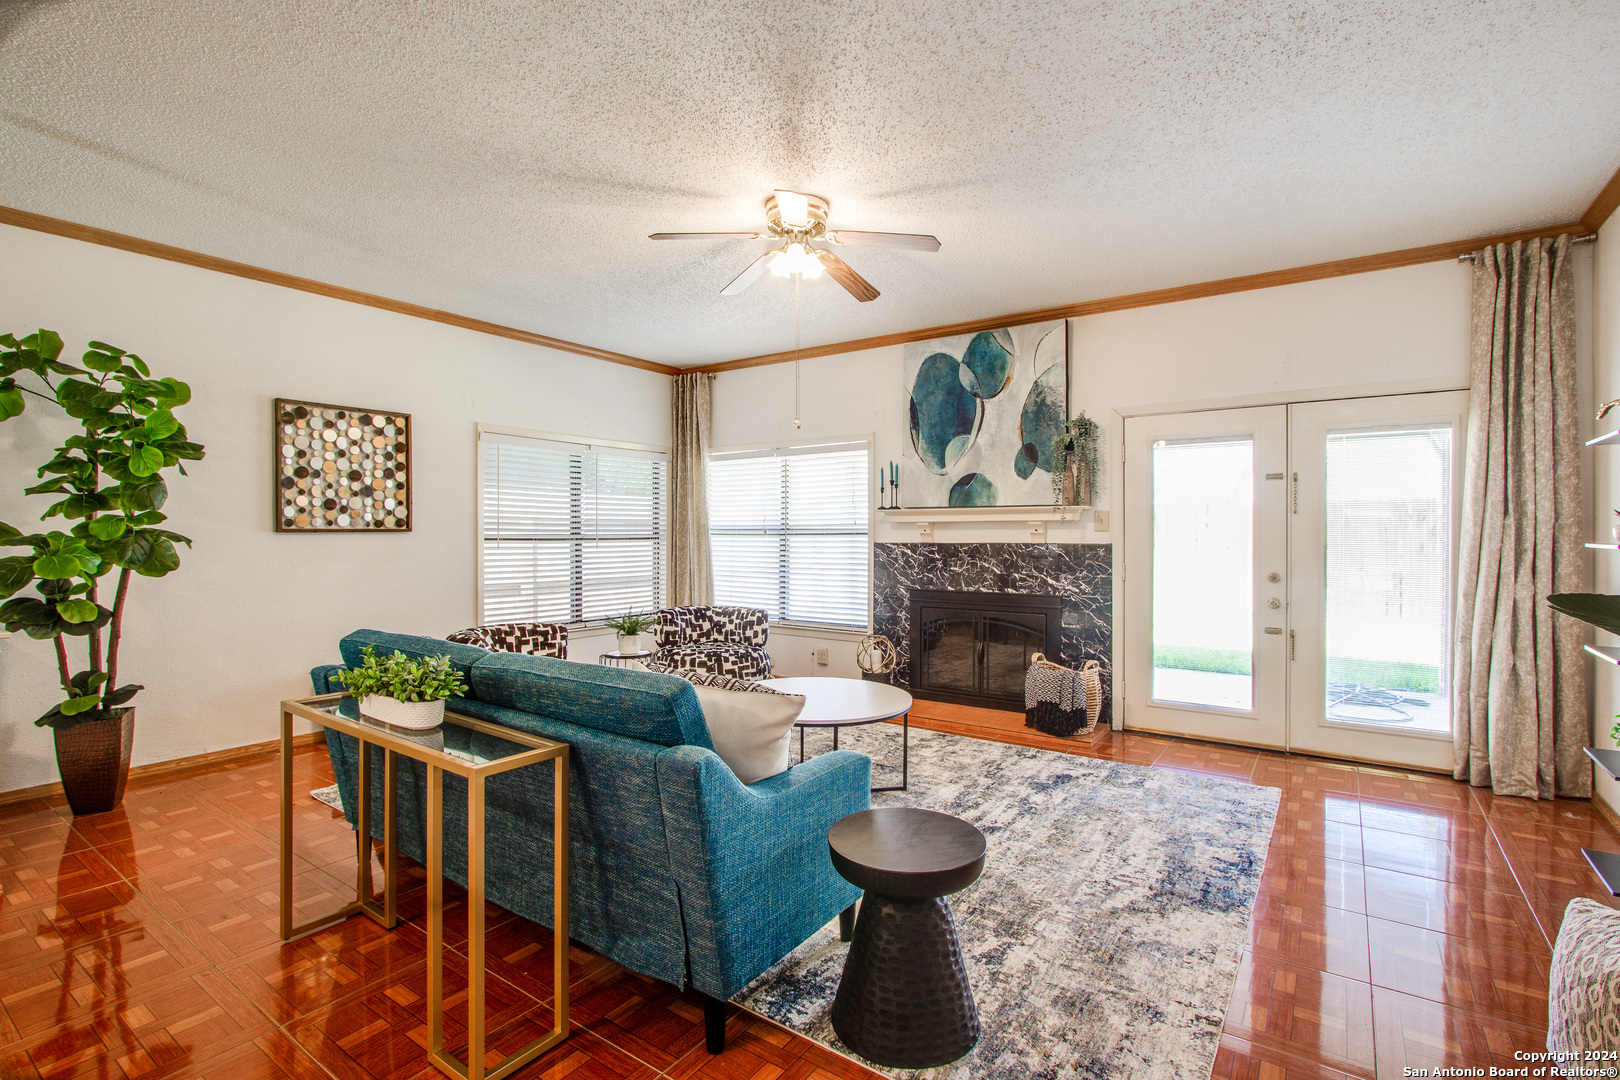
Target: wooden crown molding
{"x":1317,"y":271}
{"x":91,"y":235}
{"x":1603,"y":205}
{"x":1593,"y":219}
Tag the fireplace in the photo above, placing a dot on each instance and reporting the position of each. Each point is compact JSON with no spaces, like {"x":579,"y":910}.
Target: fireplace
{"x":1081,"y":574}
{"x":972,"y":648}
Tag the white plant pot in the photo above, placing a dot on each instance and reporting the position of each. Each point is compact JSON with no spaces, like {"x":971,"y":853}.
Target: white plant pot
{"x":416,"y":715}
{"x":629,"y":643}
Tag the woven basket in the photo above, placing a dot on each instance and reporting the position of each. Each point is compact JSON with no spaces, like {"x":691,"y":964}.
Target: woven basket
{"x":1069,"y":704}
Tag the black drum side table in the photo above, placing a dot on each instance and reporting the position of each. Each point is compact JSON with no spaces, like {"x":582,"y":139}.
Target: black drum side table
{"x":904,"y":999}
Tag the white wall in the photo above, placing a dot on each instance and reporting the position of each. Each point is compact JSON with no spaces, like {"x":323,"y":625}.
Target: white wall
{"x":1386,"y":332}
{"x":219,"y":643}
{"x":1604,"y":488}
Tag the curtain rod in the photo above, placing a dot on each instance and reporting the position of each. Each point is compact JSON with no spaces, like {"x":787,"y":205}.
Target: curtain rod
{"x":1468,"y":256}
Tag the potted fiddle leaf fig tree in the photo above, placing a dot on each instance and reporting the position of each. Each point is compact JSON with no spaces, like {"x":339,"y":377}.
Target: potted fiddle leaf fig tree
{"x":108,"y":477}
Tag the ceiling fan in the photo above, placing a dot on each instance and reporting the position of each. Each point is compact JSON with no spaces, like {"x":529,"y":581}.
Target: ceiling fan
{"x":797,"y":220}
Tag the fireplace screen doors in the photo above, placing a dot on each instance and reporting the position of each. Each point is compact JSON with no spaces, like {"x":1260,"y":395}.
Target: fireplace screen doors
{"x":974,"y":648}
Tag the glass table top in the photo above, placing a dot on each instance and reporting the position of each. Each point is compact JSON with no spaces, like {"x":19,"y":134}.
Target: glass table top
{"x":458,"y":737}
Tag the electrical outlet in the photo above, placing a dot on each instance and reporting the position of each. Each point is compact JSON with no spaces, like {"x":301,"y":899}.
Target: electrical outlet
{"x":1099,"y":520}
{"x":822,"y":659}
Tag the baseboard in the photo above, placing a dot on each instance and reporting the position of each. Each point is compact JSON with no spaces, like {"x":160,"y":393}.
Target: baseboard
{"x":1606,"y":812}
{"x":1345,"y":759}
{"x":167,"y":768}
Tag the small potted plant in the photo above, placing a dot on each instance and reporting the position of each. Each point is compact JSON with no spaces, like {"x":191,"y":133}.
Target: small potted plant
{"x":400,"y":691}
{"x":630,"y":627}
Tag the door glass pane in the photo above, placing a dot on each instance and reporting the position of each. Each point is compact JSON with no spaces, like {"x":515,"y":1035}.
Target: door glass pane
{"x":1009,"y":643}
{"x":1203,"y":559}
{"x":948,"y":651}
{"x":1389,"y":577}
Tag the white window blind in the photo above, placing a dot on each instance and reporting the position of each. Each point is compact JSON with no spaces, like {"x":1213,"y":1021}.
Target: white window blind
{"x":570,"y":532}
{"x":790,"y":529}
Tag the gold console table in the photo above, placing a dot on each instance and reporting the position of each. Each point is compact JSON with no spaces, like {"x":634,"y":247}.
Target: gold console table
{"x":452,"y":747}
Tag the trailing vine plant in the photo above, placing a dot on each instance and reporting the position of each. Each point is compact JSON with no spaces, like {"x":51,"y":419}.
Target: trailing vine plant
{"x":110,"y":479}
{"x":1079,"y":441}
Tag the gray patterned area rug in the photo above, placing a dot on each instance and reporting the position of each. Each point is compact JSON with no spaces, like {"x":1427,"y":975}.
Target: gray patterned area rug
{"x":1104,"y":936}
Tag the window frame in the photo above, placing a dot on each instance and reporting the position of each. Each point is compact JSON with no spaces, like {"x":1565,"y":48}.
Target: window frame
{"x":587,"y":444}
{"x":869,"y":440}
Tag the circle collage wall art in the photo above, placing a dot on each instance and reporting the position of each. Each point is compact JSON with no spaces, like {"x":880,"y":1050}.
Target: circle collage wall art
{"x":341,"y":469}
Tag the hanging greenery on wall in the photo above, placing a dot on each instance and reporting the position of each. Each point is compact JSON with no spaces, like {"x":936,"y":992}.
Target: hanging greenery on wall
{"x":1074,"y":461}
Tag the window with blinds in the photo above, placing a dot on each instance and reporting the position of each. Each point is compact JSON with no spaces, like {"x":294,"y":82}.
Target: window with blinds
{"x":790,"y":530}
{"x":570,"y":532}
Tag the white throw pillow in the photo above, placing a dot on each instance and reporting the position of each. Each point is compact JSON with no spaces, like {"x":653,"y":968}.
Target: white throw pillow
{"x":750,"y":724}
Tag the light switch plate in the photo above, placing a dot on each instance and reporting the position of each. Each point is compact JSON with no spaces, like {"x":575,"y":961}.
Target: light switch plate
{"x":822,"y":660}
{"x":1099,"y":520}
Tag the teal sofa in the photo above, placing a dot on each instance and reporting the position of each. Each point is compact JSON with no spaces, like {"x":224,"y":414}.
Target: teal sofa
{"x":676,"y":869}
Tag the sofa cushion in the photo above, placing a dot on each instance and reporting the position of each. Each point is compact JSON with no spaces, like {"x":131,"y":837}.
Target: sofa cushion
{"x":462,"y":657}
{"x":636,"y":704}
{"x":1583,"y":993}
{"x":751,"y":724}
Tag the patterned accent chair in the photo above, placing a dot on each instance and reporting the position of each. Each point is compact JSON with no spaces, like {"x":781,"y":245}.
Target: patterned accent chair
{"x":726,"y":641}
{"x":534,"y":638}
{"x":1583,"y":992}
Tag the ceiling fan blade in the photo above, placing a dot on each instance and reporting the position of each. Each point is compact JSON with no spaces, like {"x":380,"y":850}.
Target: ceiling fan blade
{"x":705,"y":236}
{"x":840,"y":271}
{"x":748,"y":276}
{"x":794,"y":208}
{"x":908,"y":241}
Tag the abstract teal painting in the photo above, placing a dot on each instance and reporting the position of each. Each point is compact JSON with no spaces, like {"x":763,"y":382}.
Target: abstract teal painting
{"x":981,"y":413}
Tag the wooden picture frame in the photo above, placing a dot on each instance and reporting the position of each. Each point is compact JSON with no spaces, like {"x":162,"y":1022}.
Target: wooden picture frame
{"x":340,"y":469}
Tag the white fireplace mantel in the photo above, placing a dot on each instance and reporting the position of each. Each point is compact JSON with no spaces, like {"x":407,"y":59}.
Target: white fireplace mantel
{"x":1035,"y":517}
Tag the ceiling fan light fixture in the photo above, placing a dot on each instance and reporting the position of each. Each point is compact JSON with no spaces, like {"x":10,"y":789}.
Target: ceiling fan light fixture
{"x":795,"y":259}
{"x":794,"y":208}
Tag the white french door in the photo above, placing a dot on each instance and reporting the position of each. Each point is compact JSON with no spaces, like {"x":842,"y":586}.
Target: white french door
{"x":1289,"y":575}
{"x":1373,"y":546}
{"x":1206,"y":546}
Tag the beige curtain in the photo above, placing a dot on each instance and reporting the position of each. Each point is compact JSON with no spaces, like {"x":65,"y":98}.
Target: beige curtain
{"x":1520,"y":675}
{"x":691,"y":566}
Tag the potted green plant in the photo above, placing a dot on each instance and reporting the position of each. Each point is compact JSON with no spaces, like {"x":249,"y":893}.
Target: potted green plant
{"x":1075,"y":454}
{"x":630,"y":627}
{"x":400,"y":691}
{"x":109,"y":476}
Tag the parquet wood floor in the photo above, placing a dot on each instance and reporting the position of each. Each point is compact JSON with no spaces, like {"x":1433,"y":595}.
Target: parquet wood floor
{"x":1403,"y":920}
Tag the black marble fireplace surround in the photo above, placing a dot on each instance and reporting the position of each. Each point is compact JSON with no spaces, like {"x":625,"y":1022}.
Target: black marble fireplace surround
{"x":1080,"y":574}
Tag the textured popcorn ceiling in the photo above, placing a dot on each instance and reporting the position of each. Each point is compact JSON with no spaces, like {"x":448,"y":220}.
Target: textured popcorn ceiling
{"x":506,"y":160}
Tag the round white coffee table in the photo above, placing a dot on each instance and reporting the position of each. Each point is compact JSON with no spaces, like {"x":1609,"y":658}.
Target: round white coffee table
{"x":837,"y":703}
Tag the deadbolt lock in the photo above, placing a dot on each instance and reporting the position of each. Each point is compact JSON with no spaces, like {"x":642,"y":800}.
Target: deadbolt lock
{"x":1274,"y":603}
{"x":1274,"y":577}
